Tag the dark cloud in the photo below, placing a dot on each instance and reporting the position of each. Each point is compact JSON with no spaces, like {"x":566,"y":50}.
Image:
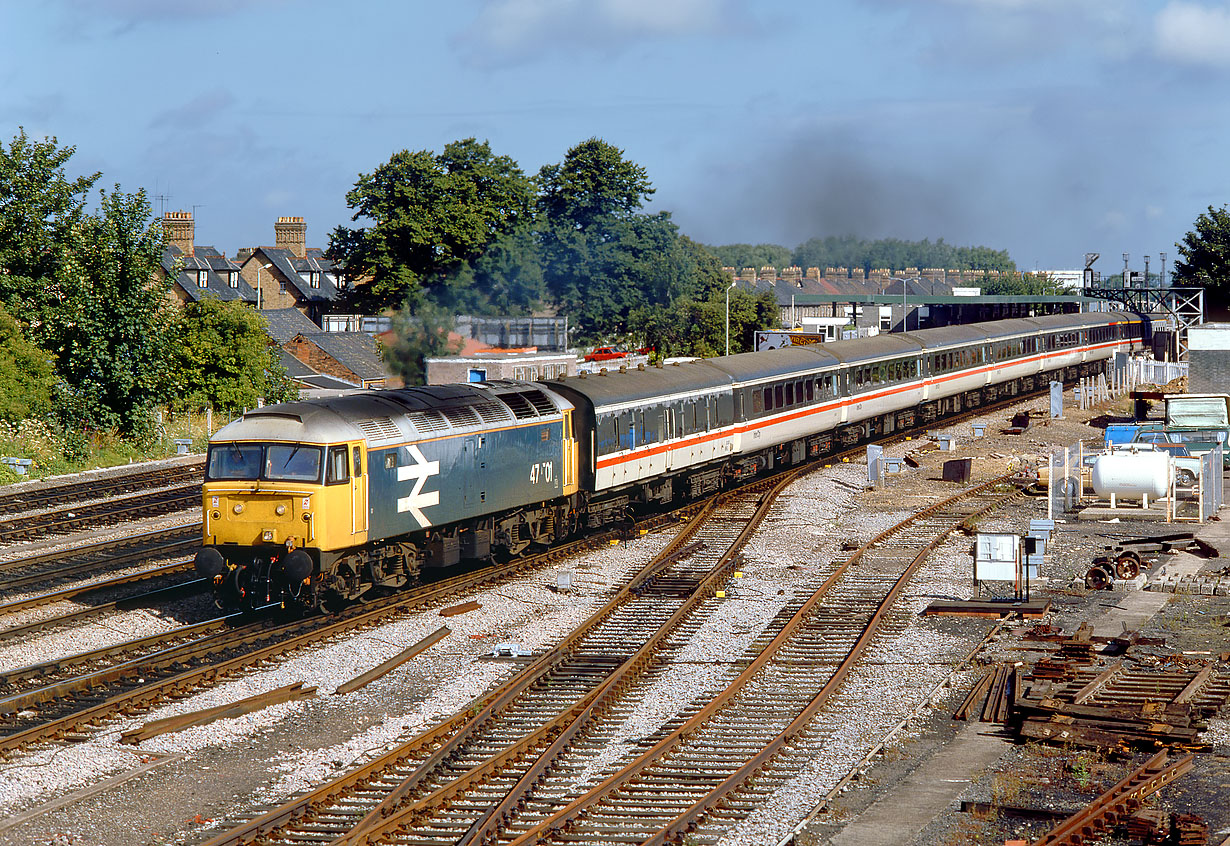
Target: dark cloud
{"x":1032,"y":180}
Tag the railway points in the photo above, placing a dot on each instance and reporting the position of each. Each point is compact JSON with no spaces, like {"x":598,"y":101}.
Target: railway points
{"x":783,"y":549}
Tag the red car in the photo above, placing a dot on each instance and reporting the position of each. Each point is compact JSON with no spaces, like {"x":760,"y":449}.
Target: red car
{"x":605,"y":354}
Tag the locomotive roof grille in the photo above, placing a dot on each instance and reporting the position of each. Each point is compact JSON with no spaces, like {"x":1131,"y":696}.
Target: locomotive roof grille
{"x":379,"y":429}
{"x":428,"y":421}
{"x":540,"y":401}
{"x":493,"y":412}
{"x":461,"y":415}
{"x":521,"y":407}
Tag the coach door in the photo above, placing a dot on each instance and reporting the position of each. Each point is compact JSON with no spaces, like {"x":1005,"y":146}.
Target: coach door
{"x":358,"y":489}
{"x":569,"y":456}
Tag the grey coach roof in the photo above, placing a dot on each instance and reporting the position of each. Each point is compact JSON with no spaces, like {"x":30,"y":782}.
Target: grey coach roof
{"x":615,"y":388}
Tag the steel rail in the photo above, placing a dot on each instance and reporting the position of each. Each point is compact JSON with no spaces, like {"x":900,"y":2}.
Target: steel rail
{"x":1116,"y":803}
{"x":317,"y":629}
{"x":446,"y":737}
{"x":583,"y":713}
{"x":557,"y":822}
{"x":13,"y":501}
{"x":101,"y":513}
{"x":79,"y":590}
{"x":161,"y":540}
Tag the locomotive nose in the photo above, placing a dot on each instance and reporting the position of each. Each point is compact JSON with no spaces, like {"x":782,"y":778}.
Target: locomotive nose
{"x":209,"y":564}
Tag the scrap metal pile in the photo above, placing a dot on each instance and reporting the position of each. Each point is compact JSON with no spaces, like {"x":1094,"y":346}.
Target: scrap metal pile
{"x":1070,"y":698}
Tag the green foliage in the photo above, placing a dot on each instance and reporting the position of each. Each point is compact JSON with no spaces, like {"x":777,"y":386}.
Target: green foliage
{"x":40,"y":208}
{"x":1028,"y":284}
{"x":607,"y":265}
{"x":753,"y":255}
{"x":697,"y":327}
{"x":27,"y":379}
{"x":419,"y":332}
{"x":1204,"y":258}
{"x":894,"y":254}
{"x":110,"y":330}
{"x":430,"y":216}
{"x":224,"y":359}
{"x":505,"y":279}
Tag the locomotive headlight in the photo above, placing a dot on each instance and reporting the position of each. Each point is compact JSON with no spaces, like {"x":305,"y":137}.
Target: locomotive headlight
{"x":280,"y":510}
{"x":307,"y":517}
{"x":216,"y":516}
{"x":267,"y":536}
{"x":238,"y":509}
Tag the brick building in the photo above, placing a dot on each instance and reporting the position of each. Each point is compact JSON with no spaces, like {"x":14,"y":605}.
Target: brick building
{"x":351,"y":357}
{"x":290,"y":274}
{"x":196,"y":272}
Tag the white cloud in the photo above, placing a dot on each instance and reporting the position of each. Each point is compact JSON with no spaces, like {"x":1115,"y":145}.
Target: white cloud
{"x":1194,"y":34}
{"x":511,"y":30}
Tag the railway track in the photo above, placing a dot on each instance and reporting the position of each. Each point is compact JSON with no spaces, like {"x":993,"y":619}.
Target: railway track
{"x":65,"y":697}
{"x":30,"y":498}
{"x":115,"y":510}
{"x":83,"y":562}
{"x":509,"y":767}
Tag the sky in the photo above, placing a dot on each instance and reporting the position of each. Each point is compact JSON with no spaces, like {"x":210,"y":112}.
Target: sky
{"x":1047,"y":128}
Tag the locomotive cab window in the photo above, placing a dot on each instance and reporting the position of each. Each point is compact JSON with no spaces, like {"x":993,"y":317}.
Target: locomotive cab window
{"x":338,"y":471}
{"x":358,"y":462}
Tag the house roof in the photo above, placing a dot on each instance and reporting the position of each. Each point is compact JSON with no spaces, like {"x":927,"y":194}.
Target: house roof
{"x":295,"y":368}
{"x":298,"y":272}
{"x":286,"y":323}
{"x":216,"y":268}
{"x":357,"y":351}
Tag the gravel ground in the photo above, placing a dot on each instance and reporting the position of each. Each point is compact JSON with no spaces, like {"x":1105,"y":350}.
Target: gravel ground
{"x":266,"y":757}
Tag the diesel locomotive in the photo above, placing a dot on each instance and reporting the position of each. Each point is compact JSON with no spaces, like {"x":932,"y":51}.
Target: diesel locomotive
{"x":316,"y":503}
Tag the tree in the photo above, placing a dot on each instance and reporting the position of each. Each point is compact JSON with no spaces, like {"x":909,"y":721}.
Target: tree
{"x":697,"y":327}
{"x":1204,"y":259}
{"x":752,"y":255}
{"x":604,"y":260}
{"x":108,"y":324}
{"x":430,"y":216}
{"x":224,"y":359}
{"x":418,"y":333}
{"x":505,"y":279}
{"x":40,"y":209}
{"x":27,"y":378}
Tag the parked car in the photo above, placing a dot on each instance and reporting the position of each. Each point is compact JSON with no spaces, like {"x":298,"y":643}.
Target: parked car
{"x":605,"y":354}
{"x":1197,"y":440}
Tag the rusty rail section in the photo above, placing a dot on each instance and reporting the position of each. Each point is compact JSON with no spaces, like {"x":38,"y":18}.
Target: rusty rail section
{"x":1117,"y":803}
{"x":562,"y":818}
{"x":277,"y":639}
{"x":449,"y":734}
{"x":12,"y":501}
{"x":98,"y":514}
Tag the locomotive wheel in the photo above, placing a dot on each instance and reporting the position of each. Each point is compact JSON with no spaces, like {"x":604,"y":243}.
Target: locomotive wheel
{"x":1098,"y":578}
{"x":1127,"y":565}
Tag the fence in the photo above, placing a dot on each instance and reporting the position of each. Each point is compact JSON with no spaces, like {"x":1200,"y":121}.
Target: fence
{"x":1070,"y":467}
{"x":1129,"y":372}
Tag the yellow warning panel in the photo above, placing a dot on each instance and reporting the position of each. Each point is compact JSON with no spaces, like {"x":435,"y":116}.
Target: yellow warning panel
{"x":721,"y":594}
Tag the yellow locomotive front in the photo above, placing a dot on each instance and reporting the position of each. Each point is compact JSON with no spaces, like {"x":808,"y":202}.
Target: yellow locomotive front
{"x":279,"y":494}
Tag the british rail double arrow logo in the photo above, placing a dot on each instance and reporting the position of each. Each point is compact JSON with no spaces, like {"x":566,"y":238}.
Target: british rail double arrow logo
{"x":420,"y":471}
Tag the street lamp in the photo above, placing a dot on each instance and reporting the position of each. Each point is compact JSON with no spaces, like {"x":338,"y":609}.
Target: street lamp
{"x":732,"y":284}
{"x":258,"y":283}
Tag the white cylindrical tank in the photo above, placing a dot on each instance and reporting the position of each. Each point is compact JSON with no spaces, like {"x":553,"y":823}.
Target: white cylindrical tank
{"x":1132,"y":474}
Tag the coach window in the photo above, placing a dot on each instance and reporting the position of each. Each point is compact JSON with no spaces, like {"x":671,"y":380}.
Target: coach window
{"x":778,"y":397}
{"x":790,"y":393}
{"x":337,"y":466}
{"x":809,"y":390}
{"x":757,"y":402}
